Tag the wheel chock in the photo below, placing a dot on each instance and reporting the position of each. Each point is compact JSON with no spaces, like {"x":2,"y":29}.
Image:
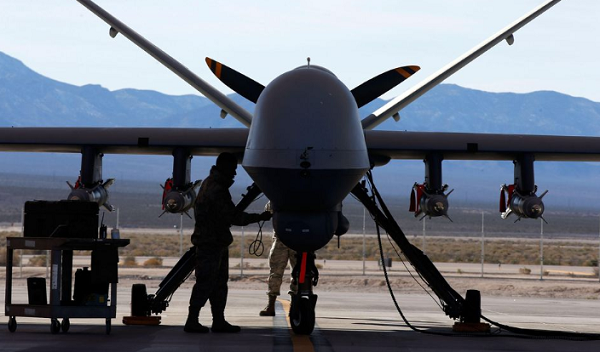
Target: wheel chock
{"x":471,"y":327}
{"x":133,"y":320}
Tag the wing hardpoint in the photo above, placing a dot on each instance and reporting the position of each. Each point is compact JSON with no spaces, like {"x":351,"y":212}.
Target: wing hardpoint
{"x":160,"y":141}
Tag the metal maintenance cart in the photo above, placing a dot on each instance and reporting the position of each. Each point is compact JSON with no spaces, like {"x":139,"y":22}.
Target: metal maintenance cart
{"x":104,"y":263}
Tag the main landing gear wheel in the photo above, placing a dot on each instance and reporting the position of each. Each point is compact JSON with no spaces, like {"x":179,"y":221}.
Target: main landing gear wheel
{"x":302,"y":316}
{"x":12,"y":324}
{"x":54,"y":326}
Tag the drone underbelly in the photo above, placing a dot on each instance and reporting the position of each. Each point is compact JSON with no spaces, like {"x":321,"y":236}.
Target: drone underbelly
{"x":306,"y":203}
{"x":305,"y":190}
{"x":305,"y":180}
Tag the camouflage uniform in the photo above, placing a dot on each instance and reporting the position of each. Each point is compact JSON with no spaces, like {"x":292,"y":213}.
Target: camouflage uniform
{"x":279,"y":256}
{"x":278,"y":260}
{"x":214,"y":214}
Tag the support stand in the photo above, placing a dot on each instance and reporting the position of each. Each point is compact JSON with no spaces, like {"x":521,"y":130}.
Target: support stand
{"x":453,"y":304}
{"x":143,"y":305}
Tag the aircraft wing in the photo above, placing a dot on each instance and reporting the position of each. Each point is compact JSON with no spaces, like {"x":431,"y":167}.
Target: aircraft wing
{"x":220,"y":99}
{"x":380,"y":144}
{"x":386,"y":145}
{"x":159,"y":141}
{"x":401,"y":101}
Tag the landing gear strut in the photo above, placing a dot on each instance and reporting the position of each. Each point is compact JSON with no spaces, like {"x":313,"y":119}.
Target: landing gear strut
{"x":302,"y":310}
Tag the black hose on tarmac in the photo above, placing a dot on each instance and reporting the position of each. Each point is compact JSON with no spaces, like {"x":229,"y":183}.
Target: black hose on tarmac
{"x":516,"y":332}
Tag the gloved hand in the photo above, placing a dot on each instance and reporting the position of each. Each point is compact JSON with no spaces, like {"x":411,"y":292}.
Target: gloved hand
{"x":265,"y":216}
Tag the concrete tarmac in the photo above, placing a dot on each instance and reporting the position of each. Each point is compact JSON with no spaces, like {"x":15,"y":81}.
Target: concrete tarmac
{"x":346,"y":321}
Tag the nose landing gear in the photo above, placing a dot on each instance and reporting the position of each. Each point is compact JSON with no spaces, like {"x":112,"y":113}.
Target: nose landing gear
{"x":302,"y":309}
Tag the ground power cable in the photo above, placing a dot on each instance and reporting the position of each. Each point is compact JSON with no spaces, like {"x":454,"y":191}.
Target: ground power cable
{"x":519,"y":332}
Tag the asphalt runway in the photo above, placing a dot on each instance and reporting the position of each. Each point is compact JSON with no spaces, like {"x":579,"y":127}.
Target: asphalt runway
{"x":346,"y":321}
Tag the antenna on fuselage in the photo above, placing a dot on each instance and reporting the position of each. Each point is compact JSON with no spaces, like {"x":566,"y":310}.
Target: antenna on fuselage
{"x":308,"y":62}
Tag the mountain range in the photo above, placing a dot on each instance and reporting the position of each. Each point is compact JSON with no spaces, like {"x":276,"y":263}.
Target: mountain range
{"x":29,"y":99}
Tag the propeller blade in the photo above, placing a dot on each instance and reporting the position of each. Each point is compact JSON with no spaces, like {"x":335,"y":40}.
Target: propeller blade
{"x":239,"y":83}
{"x":377,"y":86}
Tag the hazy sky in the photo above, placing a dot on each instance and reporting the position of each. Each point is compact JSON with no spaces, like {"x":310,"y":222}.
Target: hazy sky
{"x":355,"y":39}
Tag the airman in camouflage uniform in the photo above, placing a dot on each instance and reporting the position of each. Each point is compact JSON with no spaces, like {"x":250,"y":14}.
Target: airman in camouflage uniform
{"x":215,"y":213}
{"x":279,"y":256}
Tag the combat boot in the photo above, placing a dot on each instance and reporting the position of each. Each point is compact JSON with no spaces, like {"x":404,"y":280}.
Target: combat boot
{"x":221,"y":325}
{"x":269,"y":310}
{"x":192,"y":324}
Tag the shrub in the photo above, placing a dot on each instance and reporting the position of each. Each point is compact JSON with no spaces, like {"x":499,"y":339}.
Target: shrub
{"x":129,"y":261}
{"x":525,"y":271}
{"x":153,"y":262}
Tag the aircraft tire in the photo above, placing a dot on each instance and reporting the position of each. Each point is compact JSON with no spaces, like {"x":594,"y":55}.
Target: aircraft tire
{"x":302,"y":317}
